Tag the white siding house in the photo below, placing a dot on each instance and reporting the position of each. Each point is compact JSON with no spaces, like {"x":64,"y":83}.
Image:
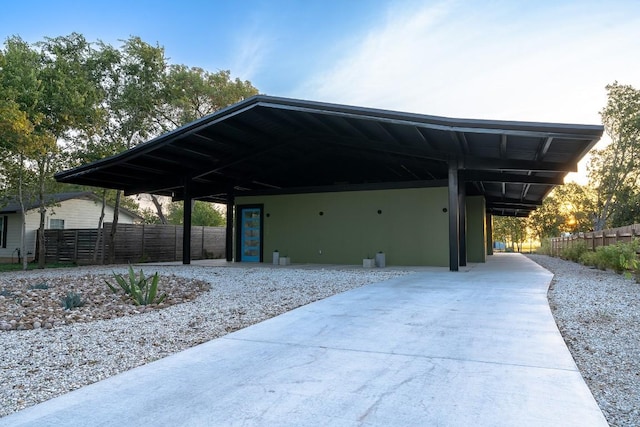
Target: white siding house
{"x":65,"y":211}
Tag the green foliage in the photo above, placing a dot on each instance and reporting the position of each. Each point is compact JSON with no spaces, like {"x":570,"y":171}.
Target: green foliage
{"x":72,"y":300}
{"x":191,"y":93}
{"x":511,"y":230}
{"x":41,"y":286}
{"x":627,"y":208}
{"x":621,"y":257}
{"x":141,"y":290}
{"x":203,"y":214}
{"x":574,"y":251}
{"x":569,"y":208}
{"x":590,"y":258}
{"x":149,"y":216}
{"x":614,"y":168}
{"x":545,"y":247}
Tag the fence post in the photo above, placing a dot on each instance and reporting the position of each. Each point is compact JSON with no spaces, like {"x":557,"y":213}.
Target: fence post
{"x":75,"y":246}
{"x":104,"y":244}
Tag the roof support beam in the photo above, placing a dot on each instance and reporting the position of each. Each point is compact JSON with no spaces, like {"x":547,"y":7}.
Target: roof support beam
{"x":532,"y":204}
{"x":472,"y":162}
{"x":424,"y":139}
{"x":542,"y":151}
{"x":503,"y":205}
{"x":490,"y":176}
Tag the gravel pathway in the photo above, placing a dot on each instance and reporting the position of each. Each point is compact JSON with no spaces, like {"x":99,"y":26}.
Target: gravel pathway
{"x":39,"y":364}
{"x":598,"y":314}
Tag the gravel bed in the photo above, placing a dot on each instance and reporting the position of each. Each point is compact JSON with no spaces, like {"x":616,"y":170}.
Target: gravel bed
{"x":39,"y":364}
{"x":598,"y":314}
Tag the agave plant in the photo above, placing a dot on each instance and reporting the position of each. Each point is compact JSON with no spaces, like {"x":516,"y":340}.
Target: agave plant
{"x":142,"y":290}
{"x":72,"y":300}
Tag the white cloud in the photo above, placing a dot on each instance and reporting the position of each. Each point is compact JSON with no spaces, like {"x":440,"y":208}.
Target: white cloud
{"x":249,"y":52}
{"x":498,"y":62}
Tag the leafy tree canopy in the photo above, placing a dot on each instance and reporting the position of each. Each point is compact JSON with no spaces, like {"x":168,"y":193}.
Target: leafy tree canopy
{"x":203,"y":213}
{"x":614,"y":170}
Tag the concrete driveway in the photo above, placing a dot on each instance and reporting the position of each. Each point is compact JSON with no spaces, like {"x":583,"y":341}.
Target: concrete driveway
{"x":474,"y":348}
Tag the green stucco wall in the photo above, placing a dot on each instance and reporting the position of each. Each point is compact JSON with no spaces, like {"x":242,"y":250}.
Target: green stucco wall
{"x":411,"y":229}
{"x":476,"y":234}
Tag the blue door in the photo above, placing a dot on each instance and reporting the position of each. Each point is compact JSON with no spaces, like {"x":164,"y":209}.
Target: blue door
{"x":250,"y":234}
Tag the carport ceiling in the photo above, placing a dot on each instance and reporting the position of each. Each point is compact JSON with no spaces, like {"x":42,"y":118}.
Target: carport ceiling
{"x":275,"y":145}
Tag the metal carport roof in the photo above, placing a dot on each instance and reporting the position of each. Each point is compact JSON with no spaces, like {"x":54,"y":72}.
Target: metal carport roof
{"x":268,"y":144}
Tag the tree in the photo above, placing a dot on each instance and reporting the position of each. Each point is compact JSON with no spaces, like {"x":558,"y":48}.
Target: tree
{"x":615,"y":167}
{"x":130,"y":84}
{"x":50,"y":83}
{"x":569,"y":208}
{"x":203,"y":214}
{"x":191,"y":93}
{"x":511,"y":230}
{"x":629,"y":212}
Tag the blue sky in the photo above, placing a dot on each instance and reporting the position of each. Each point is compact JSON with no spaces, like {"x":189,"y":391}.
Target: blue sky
{"x":495,"y":59}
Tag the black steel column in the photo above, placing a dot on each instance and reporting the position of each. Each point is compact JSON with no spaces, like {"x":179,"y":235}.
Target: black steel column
{"x":462,"y":218}
{"x":229,"y":236}
{"x":186,"y":222}
{"x":454,"y":237}
{"x":489,"y":231}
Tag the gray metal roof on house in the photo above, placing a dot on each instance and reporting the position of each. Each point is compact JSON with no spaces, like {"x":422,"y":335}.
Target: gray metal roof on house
{"x":12,"y":204}
{"x":266,"y":145}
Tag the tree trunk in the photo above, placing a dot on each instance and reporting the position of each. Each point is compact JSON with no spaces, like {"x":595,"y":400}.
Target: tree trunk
{"x":99,"y":236}
{"x":114,"y":226}
{"x":23,"y":216}
{"x":158,"y":205}
{"x":43,"y":211}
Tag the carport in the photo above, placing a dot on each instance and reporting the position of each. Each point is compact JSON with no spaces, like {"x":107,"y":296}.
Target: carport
{"x":268,"y":145}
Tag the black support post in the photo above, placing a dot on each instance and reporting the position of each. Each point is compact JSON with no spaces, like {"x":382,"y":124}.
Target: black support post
{"x":454,"y":237}
{"x":462,"y":219}
{"x":229,"y":236}
{"x":489,"y":231}
{"x":186,"y":222}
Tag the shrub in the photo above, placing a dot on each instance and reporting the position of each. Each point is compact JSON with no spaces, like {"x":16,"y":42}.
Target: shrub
{"x":140,"y":290}
{"x":619,"y":257}
{"x":589,"y":258}
{"x":41,"y":286}
{"x":574,"y":251}
{"x":545,"y":247}
{"x":72,"y":300}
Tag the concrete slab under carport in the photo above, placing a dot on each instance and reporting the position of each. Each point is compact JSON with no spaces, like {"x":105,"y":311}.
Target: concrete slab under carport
{"x":435,"y":348}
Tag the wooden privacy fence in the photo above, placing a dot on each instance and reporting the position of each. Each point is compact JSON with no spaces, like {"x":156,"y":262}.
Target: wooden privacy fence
{"x":595,"y":239}
{"x":133,"y":243}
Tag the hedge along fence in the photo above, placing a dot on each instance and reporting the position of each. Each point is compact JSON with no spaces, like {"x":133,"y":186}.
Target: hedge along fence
{"x":594,"y":239}
{"x":133,"y":243}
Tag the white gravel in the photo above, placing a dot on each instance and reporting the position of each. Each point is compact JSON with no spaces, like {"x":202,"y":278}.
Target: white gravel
{"x":37,"y":365}
{"x":598,"y":314}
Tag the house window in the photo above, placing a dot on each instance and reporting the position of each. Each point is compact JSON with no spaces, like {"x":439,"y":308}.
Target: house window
{"x":56,"y":224}
{"x":3,"y":231}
